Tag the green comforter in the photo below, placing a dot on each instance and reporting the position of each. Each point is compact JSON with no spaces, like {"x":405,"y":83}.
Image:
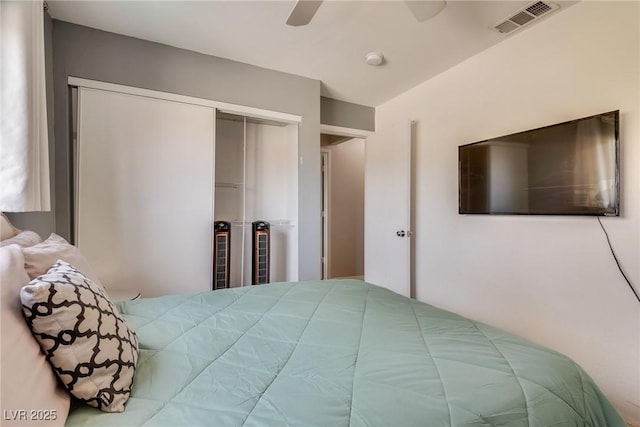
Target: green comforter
{"x":340,"y":353}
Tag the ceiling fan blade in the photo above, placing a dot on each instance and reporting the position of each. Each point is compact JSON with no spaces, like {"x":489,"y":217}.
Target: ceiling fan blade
{"x":425,"y":9}
{"x":302,"y":12}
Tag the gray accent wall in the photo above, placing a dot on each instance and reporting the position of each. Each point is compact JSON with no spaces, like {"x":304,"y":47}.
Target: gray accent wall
{"x":98,"y":55}
{"x":347,"y":114}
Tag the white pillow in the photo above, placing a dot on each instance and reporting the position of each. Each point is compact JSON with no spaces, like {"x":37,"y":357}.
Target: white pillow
{"x":7,"y":230}
{"x":39,"y":258}
{"x":89,"y":344}
{"x":28,"y":382}
{"x":24,"y":239}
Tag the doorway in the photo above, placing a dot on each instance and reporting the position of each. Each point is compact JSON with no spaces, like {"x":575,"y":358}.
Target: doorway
{"x":342,"y":181}
{"x":388,"y":209}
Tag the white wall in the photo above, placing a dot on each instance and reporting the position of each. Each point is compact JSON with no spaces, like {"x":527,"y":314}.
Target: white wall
{"x":551,"y":279}
{"x":346,"y":208}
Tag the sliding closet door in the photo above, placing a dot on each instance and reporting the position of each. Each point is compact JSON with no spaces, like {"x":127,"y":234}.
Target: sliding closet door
{"x":145,"y":191}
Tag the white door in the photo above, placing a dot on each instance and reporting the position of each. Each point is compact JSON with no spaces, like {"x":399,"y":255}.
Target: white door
{"x":388,"y":208}
{"x":145,"y":192}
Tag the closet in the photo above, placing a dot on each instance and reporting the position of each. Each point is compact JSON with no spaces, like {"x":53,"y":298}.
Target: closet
{"x":155,"y":172}
{"x":256,"y":198}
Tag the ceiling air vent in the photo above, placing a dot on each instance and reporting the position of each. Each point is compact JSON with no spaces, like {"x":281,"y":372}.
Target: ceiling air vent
{"x":525,"y":16}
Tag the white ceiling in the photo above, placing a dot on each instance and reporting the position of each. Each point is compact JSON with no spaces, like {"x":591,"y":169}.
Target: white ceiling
{"x":330,"y":49}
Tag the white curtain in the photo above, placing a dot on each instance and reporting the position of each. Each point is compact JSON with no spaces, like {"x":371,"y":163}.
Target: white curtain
{"x":24,"y":154}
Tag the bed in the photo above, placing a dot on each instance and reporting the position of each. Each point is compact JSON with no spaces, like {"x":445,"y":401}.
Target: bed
{"x":315,"y":353}
{"x":338,"y":353}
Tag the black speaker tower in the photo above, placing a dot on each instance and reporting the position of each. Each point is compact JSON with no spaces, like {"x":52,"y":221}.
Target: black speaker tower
{"x":221,"y":254}
{"x":261,"y":248}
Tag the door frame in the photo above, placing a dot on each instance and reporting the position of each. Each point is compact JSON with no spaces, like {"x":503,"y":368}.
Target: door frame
{"x":223,"y":107}
{"x":343,"y":131}
{"x":325,"y":156}
{"x":326,"y":177}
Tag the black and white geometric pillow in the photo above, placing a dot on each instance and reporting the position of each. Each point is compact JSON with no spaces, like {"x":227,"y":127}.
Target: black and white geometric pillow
{"x":86,"y":340}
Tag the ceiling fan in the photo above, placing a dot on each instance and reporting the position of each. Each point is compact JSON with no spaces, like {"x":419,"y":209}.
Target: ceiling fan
{"x":303,"y":10}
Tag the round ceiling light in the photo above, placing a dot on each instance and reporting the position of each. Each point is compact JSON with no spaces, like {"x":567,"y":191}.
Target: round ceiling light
{"x":374,"y":58}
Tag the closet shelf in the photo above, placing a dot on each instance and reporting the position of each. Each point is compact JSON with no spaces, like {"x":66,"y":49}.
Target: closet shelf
{"x":228,"y":185}
{"x":272,"y":222}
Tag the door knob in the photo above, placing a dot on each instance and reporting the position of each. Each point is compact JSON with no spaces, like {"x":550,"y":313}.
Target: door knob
{"x":400,"y":233}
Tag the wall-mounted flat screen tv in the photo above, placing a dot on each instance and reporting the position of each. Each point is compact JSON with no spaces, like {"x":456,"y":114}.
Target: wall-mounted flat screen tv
{"x":570,"y":168}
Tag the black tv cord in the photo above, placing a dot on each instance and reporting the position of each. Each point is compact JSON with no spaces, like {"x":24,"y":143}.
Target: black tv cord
{"x":616,"y":259}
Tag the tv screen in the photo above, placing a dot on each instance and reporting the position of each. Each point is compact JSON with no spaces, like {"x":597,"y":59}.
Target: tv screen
{"x":569,"y":168}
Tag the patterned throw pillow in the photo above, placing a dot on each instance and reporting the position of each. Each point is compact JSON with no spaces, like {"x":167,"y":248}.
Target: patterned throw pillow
{"x":86,"y":340}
